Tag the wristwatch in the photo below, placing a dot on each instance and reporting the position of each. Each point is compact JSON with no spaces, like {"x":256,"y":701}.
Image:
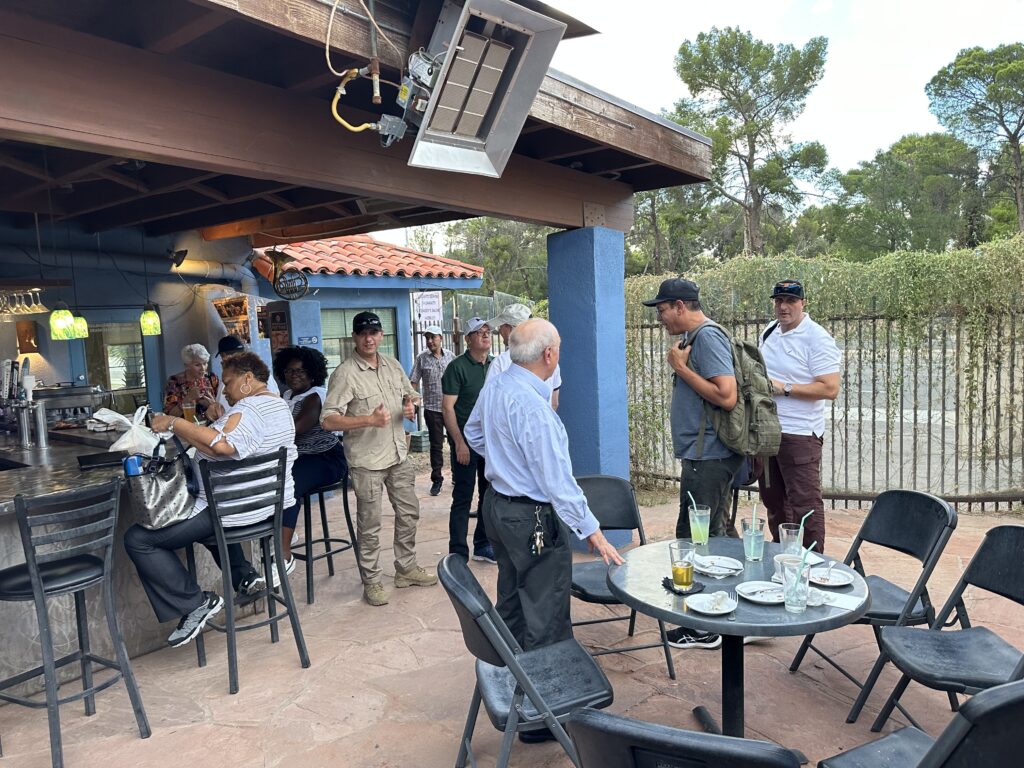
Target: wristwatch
{"x":787,"y":389}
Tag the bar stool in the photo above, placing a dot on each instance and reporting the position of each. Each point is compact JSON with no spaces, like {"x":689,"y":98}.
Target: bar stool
{"x":72,"y":552}
{"x":326,"y":540}
{"x":263,"y":477}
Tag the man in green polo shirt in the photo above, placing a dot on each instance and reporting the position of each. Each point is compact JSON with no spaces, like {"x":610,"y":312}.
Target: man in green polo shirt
{"x":460,"y":386}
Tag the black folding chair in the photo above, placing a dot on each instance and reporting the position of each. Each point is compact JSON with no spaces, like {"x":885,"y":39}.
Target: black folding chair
{"x":68,"y":539}
{"x":971,"y":659}
{"x":985,"y":732}
{"x":613,"y":503}
{"x":916,"y":524}
{"x":221,"y":480}
{"x":520,"y":690}
{"x":604,"y":740}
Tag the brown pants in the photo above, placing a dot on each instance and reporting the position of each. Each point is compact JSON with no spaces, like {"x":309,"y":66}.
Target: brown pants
{"x":794,"y":487}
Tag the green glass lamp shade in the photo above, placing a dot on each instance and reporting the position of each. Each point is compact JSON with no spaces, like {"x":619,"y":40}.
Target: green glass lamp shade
{"x":80,"y":329}
{"x":62,"y":323}
{"x":149,"y":321}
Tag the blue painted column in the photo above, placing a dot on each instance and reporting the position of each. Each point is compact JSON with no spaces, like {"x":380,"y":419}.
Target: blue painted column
{"x":588,"y":305}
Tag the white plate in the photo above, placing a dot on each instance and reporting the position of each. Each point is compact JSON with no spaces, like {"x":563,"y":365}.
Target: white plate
{"x":704,"y":603}
{"x":837,"y":578}
{"x":717,"y":565}
{"x":757,"y":592}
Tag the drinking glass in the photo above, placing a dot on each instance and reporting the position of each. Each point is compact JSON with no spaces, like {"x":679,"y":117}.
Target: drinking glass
{"x":795,"y":584}
{"x":753,"y":539}
{"x":681,"y":556}
{"x":789,"y":538}
{"x":700,"y":522}
{"x":781,"y":560}
{"x":188,"y":410}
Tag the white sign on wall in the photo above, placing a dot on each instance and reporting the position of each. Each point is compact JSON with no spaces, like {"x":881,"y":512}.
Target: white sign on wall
{"x":427,"y":308}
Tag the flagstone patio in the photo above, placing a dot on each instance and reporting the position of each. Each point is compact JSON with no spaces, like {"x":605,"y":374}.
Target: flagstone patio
{"x":389,"y":687}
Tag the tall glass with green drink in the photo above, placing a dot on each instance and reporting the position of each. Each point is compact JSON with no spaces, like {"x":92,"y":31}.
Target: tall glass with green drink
{"x":700,"y":523}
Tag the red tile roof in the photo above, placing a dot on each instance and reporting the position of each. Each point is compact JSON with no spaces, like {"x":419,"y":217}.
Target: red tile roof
{"x":362,"y":255}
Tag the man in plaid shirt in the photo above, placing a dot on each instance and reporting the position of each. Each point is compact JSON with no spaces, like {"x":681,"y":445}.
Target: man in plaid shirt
{"x":429,"y":368}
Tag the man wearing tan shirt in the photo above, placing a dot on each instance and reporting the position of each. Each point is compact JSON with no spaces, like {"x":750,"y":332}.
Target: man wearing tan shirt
{"x":368,"y":396}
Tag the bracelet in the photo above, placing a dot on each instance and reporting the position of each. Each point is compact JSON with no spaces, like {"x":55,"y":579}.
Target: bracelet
{"x":170,"y":426}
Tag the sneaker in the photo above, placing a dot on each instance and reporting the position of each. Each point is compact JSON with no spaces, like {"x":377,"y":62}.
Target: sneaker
{"x":252,"y":584}
{"x":435,"y":488}
{"x":375,"y":594}
{"x":537,"y":736}
{"x":289,"y":567}
{"x":295,"y":538}
{"x":485,"y":554}
{"x":755,"y":639}
{"x":192,"y":624}
{"x":417,"y":577}
{"x":691,"y":638}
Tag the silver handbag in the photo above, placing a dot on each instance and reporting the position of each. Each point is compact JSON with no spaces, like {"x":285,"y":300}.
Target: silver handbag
{"x":165,"y":492}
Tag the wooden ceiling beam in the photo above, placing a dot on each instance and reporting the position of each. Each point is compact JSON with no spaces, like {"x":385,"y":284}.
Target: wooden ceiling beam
{"x":99,"y":203}
{"x":276,"y":221}
{"x":125,"y":181}
{"x":288,"y":138}
{"x":173,"y":39}
{"x":25,"y":169}
{"x":280,"y":202}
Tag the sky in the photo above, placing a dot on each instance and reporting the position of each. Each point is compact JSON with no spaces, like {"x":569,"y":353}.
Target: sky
{"x":881,"y":54}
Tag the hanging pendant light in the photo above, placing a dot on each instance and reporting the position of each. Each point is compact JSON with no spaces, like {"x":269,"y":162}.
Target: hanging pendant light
{"x":80,"y":327}
{"x":62,"y":322}
{"x":149,"y":321}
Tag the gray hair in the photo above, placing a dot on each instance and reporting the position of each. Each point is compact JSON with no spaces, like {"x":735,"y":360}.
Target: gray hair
{"x":192,"y":352}
{"x":528,"y":341}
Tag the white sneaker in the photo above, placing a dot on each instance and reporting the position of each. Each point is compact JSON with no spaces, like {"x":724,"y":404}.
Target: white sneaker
{"x":289,"y":567}
{"x":295,"y":538}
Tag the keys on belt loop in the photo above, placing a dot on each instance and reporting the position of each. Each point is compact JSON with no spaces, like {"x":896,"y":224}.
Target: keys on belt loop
{"x":537,"y":537}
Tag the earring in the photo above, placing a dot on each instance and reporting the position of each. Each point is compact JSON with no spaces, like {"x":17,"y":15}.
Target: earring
{"x":246,"y":388}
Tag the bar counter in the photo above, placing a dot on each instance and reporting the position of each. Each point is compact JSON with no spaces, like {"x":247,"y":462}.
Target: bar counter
{"x":33,"y":472}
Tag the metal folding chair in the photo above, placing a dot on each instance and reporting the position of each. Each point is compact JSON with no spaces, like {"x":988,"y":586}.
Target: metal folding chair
{"x":916,"y":524}
{"x":605,"y":740}
{"x":613,"y":503}
{"x":520,"y":690}
{"x":985,"y":732}
{"x":971,"y":659}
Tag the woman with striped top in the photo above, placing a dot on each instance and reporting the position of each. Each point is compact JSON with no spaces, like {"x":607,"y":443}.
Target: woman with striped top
{"x":321,"y":458}
{"x":258,"y":422}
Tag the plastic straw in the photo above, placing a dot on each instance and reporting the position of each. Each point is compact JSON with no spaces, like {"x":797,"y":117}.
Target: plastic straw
{"x":692,"y":502}
{"x":800,"y":533}
{"x":753,"y":517}
{"x":801,"y":569}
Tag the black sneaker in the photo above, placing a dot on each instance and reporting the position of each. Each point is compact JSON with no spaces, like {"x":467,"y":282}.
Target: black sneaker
{"x":253,"y":583}
{"x":192,"y":624}
{"x":537,"y":736}
{"x":435,"y":488}
{"x":692,"y":638}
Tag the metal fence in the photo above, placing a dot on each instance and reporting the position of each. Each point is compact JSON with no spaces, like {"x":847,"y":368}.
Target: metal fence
{"x":940,"y":411}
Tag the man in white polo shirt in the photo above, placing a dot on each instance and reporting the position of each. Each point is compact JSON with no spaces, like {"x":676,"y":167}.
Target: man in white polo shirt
{"x":803,"y":363}
{"x":507,"y":321}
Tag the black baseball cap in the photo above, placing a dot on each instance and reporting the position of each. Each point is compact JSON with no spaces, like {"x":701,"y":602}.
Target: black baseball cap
{"x":675,"y":289}
{"x":366,"y":321}
{"x":229,"y":345}
{"x":788,"y":288}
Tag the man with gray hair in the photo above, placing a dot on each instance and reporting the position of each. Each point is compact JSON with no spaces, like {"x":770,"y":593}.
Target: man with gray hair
{"x":533,"y":501}
{"x":506,"y":322}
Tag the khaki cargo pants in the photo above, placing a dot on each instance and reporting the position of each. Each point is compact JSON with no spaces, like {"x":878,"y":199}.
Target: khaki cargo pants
{"x":369,"y":485}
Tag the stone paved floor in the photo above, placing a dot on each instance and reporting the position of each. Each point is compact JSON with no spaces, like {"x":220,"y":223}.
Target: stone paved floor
{"x":390,"y":686}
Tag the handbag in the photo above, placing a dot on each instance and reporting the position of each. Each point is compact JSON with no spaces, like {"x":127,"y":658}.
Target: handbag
{"x":165,"y":492}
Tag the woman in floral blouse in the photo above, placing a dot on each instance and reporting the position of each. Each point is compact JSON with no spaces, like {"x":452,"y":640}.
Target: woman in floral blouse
{"x":195,"y":384}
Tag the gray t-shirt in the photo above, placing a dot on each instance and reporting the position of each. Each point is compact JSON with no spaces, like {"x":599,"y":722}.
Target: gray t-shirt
{"x":710,"y":356}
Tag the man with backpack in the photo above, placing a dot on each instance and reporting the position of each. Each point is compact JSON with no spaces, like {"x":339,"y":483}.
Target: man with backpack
{"x":704,"y":373}
{"x":803,"y":362}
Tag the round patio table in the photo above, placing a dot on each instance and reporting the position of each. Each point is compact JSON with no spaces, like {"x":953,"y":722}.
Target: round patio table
{"x":637,"y":583}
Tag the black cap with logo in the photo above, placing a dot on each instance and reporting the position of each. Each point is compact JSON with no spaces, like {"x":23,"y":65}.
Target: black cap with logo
{"x":675,"y":289}
{"x":788,"y":288}
{"x":366,"y":321}
{"x":229,"y":345}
